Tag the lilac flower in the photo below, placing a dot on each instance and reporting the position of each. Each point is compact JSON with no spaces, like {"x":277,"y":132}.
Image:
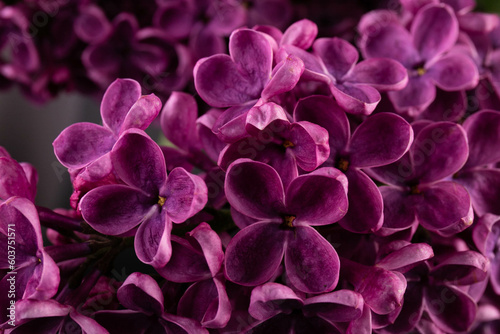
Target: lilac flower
{"x":276,"y":306}
{"x":380,"y":140}
{"x":148,"y":200}
{"x":243,"y":78}
{"x":84,"y":147}
{"x":473,"y":22}
{"x":32,"y":271}
{"x":198,"y":258}
{"x":354,"y":85}
{"x":423,"y":51}
{"x":283,"y":225}
{"x":284,"y":145}
{"x":143,"y":54}
{"x":481,"y":180}
{"x":144,"y":301}
{"x":383,"y":284}
{"x":418,"y":192}
{"x":435,"y":290}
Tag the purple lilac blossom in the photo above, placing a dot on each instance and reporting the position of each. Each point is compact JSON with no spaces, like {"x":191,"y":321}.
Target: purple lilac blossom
{"x":417,"y":190}
{"x":379,"y":140}
{"x":148,"y":201}
{"x":424,"y":50}
{"x":283,"y":225}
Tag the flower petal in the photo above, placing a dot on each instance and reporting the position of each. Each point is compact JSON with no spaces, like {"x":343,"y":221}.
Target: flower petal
{"x":255,"y":253}
{"x":178,"y":120}
{"x":444,"y":207}
{"x":186,"y":195}
{"x":254,"y":189}
{"x":117,"y":101}
{"x":434,"y":30}
{"x":483,"y":134}
{"x":152,"y":240}
{"x":380,"y":73}
{"x":13,"y":180}
{"x":454,"y":72}
{"x":338,"y":55}
{"x":270,"y":299}
{"x":461,"y":268}
{"x":140,"y":292}
{"x":337,"y":306}
{"x":439,"y":150}
{"x":81,"y":143}
{"x":300,"y":34}
{"x":142,"y":113}
{"x":357,"y":99}
{"x":318,"y":198}
{"x":416,"y":96}
{"x":380,"y":140}
{"x":139,"y":161}
{"x":399,"y":213}
{"x":312,"y":264}
{"x":115,"y":209}
{"x":365,"y":214}
{"x":483,"y":186}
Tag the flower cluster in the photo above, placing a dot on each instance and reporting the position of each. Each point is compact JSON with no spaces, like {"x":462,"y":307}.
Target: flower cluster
{"x":320,"y":186}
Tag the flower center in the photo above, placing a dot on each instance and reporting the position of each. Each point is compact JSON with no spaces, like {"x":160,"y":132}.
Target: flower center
{"x":287,"y":144}
{"x":161,"y":200}
{"x":288,"y":221}
{"x":414,"y":189}
{"x":343,"y":164}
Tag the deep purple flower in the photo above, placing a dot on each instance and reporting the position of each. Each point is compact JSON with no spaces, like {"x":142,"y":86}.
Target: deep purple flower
{"x":438,"y":290}
{"x":383,"y":284}
{"x":423,"y":50}
{"x":144,"y":301}
{"x":354,"y":85}
{"x":277,"y":307}
{"x":198,"y":258}
{"x":380,"y":140}
{"x":147,"y":200}
{"x":244,"y":79}
{"x":274,"y":140}
{"x":24,"y":263}
{"x":418,"y":192}
{"x":478,"y":176}
{"x":283,"y":225}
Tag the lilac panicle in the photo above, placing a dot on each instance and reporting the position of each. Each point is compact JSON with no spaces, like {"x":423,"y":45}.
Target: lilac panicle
{"x":35,"y":273}
{"x":144,"y":303}
{"x":147,"y":200}
{"x":283,"y":225}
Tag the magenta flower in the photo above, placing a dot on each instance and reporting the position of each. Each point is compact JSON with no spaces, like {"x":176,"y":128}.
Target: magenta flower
{"x":144,"y":303}
{"x":198,"y":258}
{"x":283,"y":225}
{"x":148,"y":200}
{"x":418,"y":192}
{"x":380,"y":140}
{"x":277,"y":307}
{"x":424,"y":51}
{"x":274,"y":140}
{"x":33,"y":272}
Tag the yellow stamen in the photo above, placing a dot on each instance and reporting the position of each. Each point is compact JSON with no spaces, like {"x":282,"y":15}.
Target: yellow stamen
{"x":161,"y":200}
